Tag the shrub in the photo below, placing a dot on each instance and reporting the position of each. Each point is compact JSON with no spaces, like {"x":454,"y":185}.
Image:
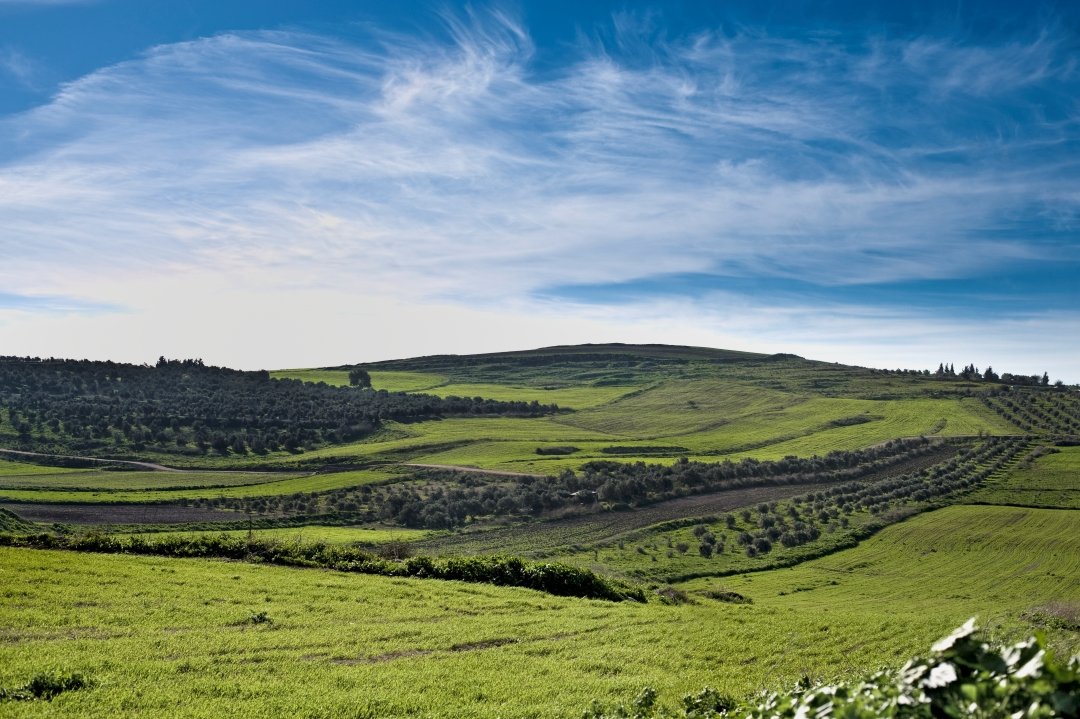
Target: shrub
{"x":726,"y":595}
{"x":556,"y":450}
{"x":46,"y":685}
{"x":671,"y":595}
{"x":962,"y":677}
{"x":258,"y":618}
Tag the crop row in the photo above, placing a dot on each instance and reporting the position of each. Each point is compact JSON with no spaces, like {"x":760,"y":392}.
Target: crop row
{"x":1056,"y":412}
{"x":437,"y":499}
{"x":963,"y":472}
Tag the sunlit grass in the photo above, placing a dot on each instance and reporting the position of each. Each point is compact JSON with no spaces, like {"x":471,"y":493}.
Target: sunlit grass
{"x":1053,"y":480}
{"x":176,"y":636}
{"x":305,"y":483}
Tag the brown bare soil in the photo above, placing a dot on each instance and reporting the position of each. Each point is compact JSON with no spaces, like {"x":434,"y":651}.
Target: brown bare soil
{"x":117,"y":513}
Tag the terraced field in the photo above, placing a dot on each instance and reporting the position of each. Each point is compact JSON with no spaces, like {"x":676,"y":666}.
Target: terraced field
{"x":1052,"y":480}
{"x":10,"y":468}
{"x":679,"y":407}
{"x":769,"y":427}
{"x":332,"y":377}
{"x":1002,"y":564}
{"x":90,"y":480}
{"x":115,"y":487}
{"x":572,"y":397}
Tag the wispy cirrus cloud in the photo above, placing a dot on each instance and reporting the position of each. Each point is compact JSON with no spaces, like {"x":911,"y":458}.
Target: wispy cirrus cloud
{"x":13,"y":303}
{"x":15,"y":64}
{"x":434,"y":169}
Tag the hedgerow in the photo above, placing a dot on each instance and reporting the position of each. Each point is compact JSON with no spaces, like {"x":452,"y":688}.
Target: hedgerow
{"x":961,"y":677}
{"x":506,"y":571}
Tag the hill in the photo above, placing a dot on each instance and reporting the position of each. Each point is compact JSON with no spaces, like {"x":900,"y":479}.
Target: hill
{"x":783,"y":516}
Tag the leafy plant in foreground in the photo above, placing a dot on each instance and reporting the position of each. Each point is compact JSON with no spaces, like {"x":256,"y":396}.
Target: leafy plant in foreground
{"x":961,"y":677}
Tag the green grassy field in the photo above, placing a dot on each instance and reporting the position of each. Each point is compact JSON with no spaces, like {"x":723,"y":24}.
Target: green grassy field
{"x":680,"y":407}
{"x":396,"y":381}
{"x":576,"y":397}
{"x":332,"y":377}
{"x":176,"y":636}
{"x":697,"y":402}
{"x":1002,"y":564}
{"x":186,"y":637}
{"x":10,"y":469}
{"x":566,"y":397}
{"x":771,"y":426}
{"x":1053,"y":480}
{"x":89,"y":479}
{"x":112,"y":487}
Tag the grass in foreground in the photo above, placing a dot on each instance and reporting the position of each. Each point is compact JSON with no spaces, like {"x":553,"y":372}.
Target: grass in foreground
{"x":963,"y":676}
{"x":189,"y":637}
{"x":1005,"y":564}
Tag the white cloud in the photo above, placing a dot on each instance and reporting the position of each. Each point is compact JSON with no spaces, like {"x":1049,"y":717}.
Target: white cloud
{"x":15,"y":64}
{"x":433,"y":179}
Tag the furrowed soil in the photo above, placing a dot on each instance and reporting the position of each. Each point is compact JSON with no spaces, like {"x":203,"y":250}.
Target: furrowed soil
{"x":90,"y":514}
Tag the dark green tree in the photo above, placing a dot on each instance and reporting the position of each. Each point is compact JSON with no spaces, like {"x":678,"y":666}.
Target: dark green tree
{"x":359,"y":378}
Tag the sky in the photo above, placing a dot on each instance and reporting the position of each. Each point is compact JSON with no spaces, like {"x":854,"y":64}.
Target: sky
{"x":279,"y":183}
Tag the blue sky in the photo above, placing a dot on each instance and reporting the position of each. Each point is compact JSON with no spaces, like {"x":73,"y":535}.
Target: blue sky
{"x":269,"y":184}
